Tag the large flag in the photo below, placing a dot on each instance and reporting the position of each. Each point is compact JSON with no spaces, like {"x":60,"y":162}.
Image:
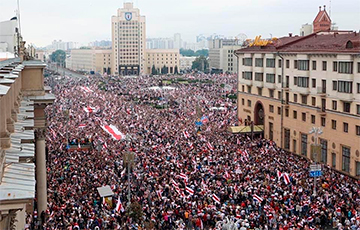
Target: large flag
{"x":210,"y":146}
{"x":286,"y":178}
{"x":189,"y":190}
{"x":184,"y":176}
{"x":257,"y":198}
{"x":216,"y":198}
{"x":113,"y":131}
{"x":119,"y":206}
{"x":90,"y":109}
{"x":279,"y":174}
{"x":186,"y":134}
{"x":86,"y":89}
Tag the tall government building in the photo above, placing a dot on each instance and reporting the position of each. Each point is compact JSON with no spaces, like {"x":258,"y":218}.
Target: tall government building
{"x":128,"y":40}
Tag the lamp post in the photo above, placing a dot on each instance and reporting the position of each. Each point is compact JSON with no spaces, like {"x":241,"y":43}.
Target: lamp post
{"x":315,"y":150}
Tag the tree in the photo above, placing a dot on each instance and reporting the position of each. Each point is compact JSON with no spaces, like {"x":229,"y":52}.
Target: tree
{"x":191,"y":53}
{"x":58,"y":56}
{"x":202,"y":52}
{"x":164,"y":70}
{"x":135,"y":212}
{"x":176,"y":70}
{"x":200,"y":63}
{"x":153,"y":70}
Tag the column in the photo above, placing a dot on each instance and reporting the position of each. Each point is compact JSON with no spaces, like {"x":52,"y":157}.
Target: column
{"x":41,"y":189}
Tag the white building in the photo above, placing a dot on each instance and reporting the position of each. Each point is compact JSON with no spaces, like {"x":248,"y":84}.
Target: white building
{"x":177,"y":41}
{"x":221,"y":55}
{"x":128,"y":40}
{"x":186,"y":62}
{"x":8,"y":35}
{"x":306,"y":29}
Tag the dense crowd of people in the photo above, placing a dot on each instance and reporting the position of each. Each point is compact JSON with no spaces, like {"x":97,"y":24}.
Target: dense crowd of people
{"x":185,"y":175}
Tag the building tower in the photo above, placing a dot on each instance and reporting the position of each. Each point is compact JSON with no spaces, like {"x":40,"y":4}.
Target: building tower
{"x":128,"y":41}
{"x":322,"y":22}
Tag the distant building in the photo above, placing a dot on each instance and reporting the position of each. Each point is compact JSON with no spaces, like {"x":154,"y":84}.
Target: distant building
{"x":320,"y":86}
{"x":177,"y":41}
{"x":306,"y":29}
{"x":159,"y":43}
{"x":160,"y":58}
{"x":8,"y":36}
{"x":322,"y":21}
{"x":128,"y":41}
{"x":88,"y":60}
{"x":186,"y":62}
{"x":100,"y":44}
{"x":221,"y":55}
{"x":61,"y":45}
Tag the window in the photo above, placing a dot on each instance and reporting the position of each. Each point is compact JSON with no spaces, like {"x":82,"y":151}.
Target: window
{"x":247,"y":61}
{"x":303,"y":116}
{"x":294,"y":146}
{"x":243,"y":101}
{"x":346,"y":127}
{"x":323,"y":121}
{"x":294,"y":114}
{"x":287,"y":112}
{"x":303,"y":65}
{"x":304,"y":99}
{"x":313,"y":83}
{"x":295,"y":80}
{"x":243,"y":88}
{"x":259,"y":62}
{"x":313,"y":65}
{"x":334,"y":85}
{"x":295,"y":97}
{"x":249,"y":89}
{"x":345,"y":159}
{"x":334,"y":105}
{"x":271,"y":108}
{"x":313,"y":119}
{"x":323,"y":104}
{"x":346,"y":67}
{"x":270,"y":78}
{"x":345,"y":86}
{"x":304,"y":144}
{"x":270,"y":62}
{"x":357,"y":168}
{"x":247,"y":75}
{"x":279,"y":78}
{"x":259,"y":76}
{"x":279,"y":110}
{"x":279,"y":63}
{"x":358,"y":67}
{"x":357,"y":130}
{"x":271,"y":131}
{"x":313,"y":101}
{"x":288,"y":64}
{"x":259,"y":91}
{"x":287,"y":139}
{"x":335,"y":66}
{"x":346,"y":107}
{"x":279,"y":94}
{"x":303,"y":82}
{"x":249,"y":103}
{"x":358,"y":87}
{"x":271,"y":93}
{"x":324,"y":65}
{"x":333,"y":160}
{"x":358,"y":109}
{"x":333,"y":124}
{"x":323,"y":144}
{"x":295,"y":64}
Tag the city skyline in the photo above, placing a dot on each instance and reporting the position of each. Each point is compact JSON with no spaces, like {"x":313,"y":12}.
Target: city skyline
{"x":266,"y":17}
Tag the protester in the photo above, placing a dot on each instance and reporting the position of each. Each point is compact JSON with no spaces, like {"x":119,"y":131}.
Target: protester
{"x":184,"y":176}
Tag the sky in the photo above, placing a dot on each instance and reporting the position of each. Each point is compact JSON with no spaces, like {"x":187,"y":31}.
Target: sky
{"x":83,"y":21}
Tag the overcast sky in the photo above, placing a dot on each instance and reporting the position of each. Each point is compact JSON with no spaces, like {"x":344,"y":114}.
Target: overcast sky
{"x":43,"y":21}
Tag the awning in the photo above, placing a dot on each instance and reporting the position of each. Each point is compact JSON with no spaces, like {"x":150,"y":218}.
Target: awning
{"x":246,"y":129}
{"x":105,"y":191}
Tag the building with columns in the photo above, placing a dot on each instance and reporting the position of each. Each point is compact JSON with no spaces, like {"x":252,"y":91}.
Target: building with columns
{"x":159,"y":58}
{"x":128,"y":41}
{"x":294,"y":83}
{"x":23,"y":98}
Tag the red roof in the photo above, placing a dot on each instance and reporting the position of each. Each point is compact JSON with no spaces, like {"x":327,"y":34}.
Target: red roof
{"x":322,"y":16}
{"x":321,"y":42}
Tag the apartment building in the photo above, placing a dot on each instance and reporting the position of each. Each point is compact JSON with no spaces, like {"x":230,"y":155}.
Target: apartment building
{"x":128,"y":41}
{"x":221,"y":55}
{"x":170,"y":58}
{"x":292,"y":84}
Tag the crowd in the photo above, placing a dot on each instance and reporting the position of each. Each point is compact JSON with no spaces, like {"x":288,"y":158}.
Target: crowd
{"x":185,"y":176}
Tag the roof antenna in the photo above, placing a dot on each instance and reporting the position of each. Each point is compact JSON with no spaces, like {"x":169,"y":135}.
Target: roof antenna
{"x":330,"y":8}
{"x":18,"y":15}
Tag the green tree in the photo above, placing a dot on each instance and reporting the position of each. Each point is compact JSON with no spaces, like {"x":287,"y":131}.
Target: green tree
{"x":176,"y":70}
{"x":187,"y":53}
{"x":58,"y":56}
{"x":164,"y":70}
{"x":202,"y":52}
{"x":153,"y":70}
{"x":135,"y":212}
{"x":200,"y":63}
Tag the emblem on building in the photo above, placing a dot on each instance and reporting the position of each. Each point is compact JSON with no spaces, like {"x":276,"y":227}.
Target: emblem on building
{"x":128,"y":16}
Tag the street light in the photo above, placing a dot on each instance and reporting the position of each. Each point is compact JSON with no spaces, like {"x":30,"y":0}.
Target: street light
{"x":315,"y":150}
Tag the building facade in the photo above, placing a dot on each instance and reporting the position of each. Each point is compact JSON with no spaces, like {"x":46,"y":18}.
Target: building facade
{"x":186,"y":62}
{"x":159,"y":58}
{"x":88,"y":60}
{"x":319,"y":87}
{"x":128,"y":41}
{"x":23,"y":99}
{"x":221,"y":55}
{"x":322,"y":21}
{"x":9,"y":36}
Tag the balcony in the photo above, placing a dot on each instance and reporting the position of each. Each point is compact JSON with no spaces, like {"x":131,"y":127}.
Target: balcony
{"x":258,"y":84}
{"x":270,"y":85}
{"x":303,"y":90}
{"x":345,"y":96}
{"x":246,"y":82}
{"x":321,"y":91}
{"x":321,"y":111}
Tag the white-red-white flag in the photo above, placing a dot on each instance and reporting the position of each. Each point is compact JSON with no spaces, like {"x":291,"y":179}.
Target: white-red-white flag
{"x":90,"y":109}
{"x":82,"y":126}
{"x":189,"y":190}
{"x":257,"y":198}
{"x":86,"y":89}
{"x":119,"y":206}
{"x":183,"y":176}
{"x":286,"y":178}
{"x":279,"y":174}
{"x":113,"y":131}
{"x":209,"y":146}
{"x":216,"y":198}
{"x":186,"y":134}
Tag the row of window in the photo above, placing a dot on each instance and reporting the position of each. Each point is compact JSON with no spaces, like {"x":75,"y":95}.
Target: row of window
{"x":338,"y":66}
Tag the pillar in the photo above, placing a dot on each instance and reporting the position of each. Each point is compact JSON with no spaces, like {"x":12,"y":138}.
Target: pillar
{"x":41,"y":189}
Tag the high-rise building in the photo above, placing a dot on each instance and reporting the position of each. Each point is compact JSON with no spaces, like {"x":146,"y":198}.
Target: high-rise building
{"x":128,"y":40}
{"x":177,"y":41}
